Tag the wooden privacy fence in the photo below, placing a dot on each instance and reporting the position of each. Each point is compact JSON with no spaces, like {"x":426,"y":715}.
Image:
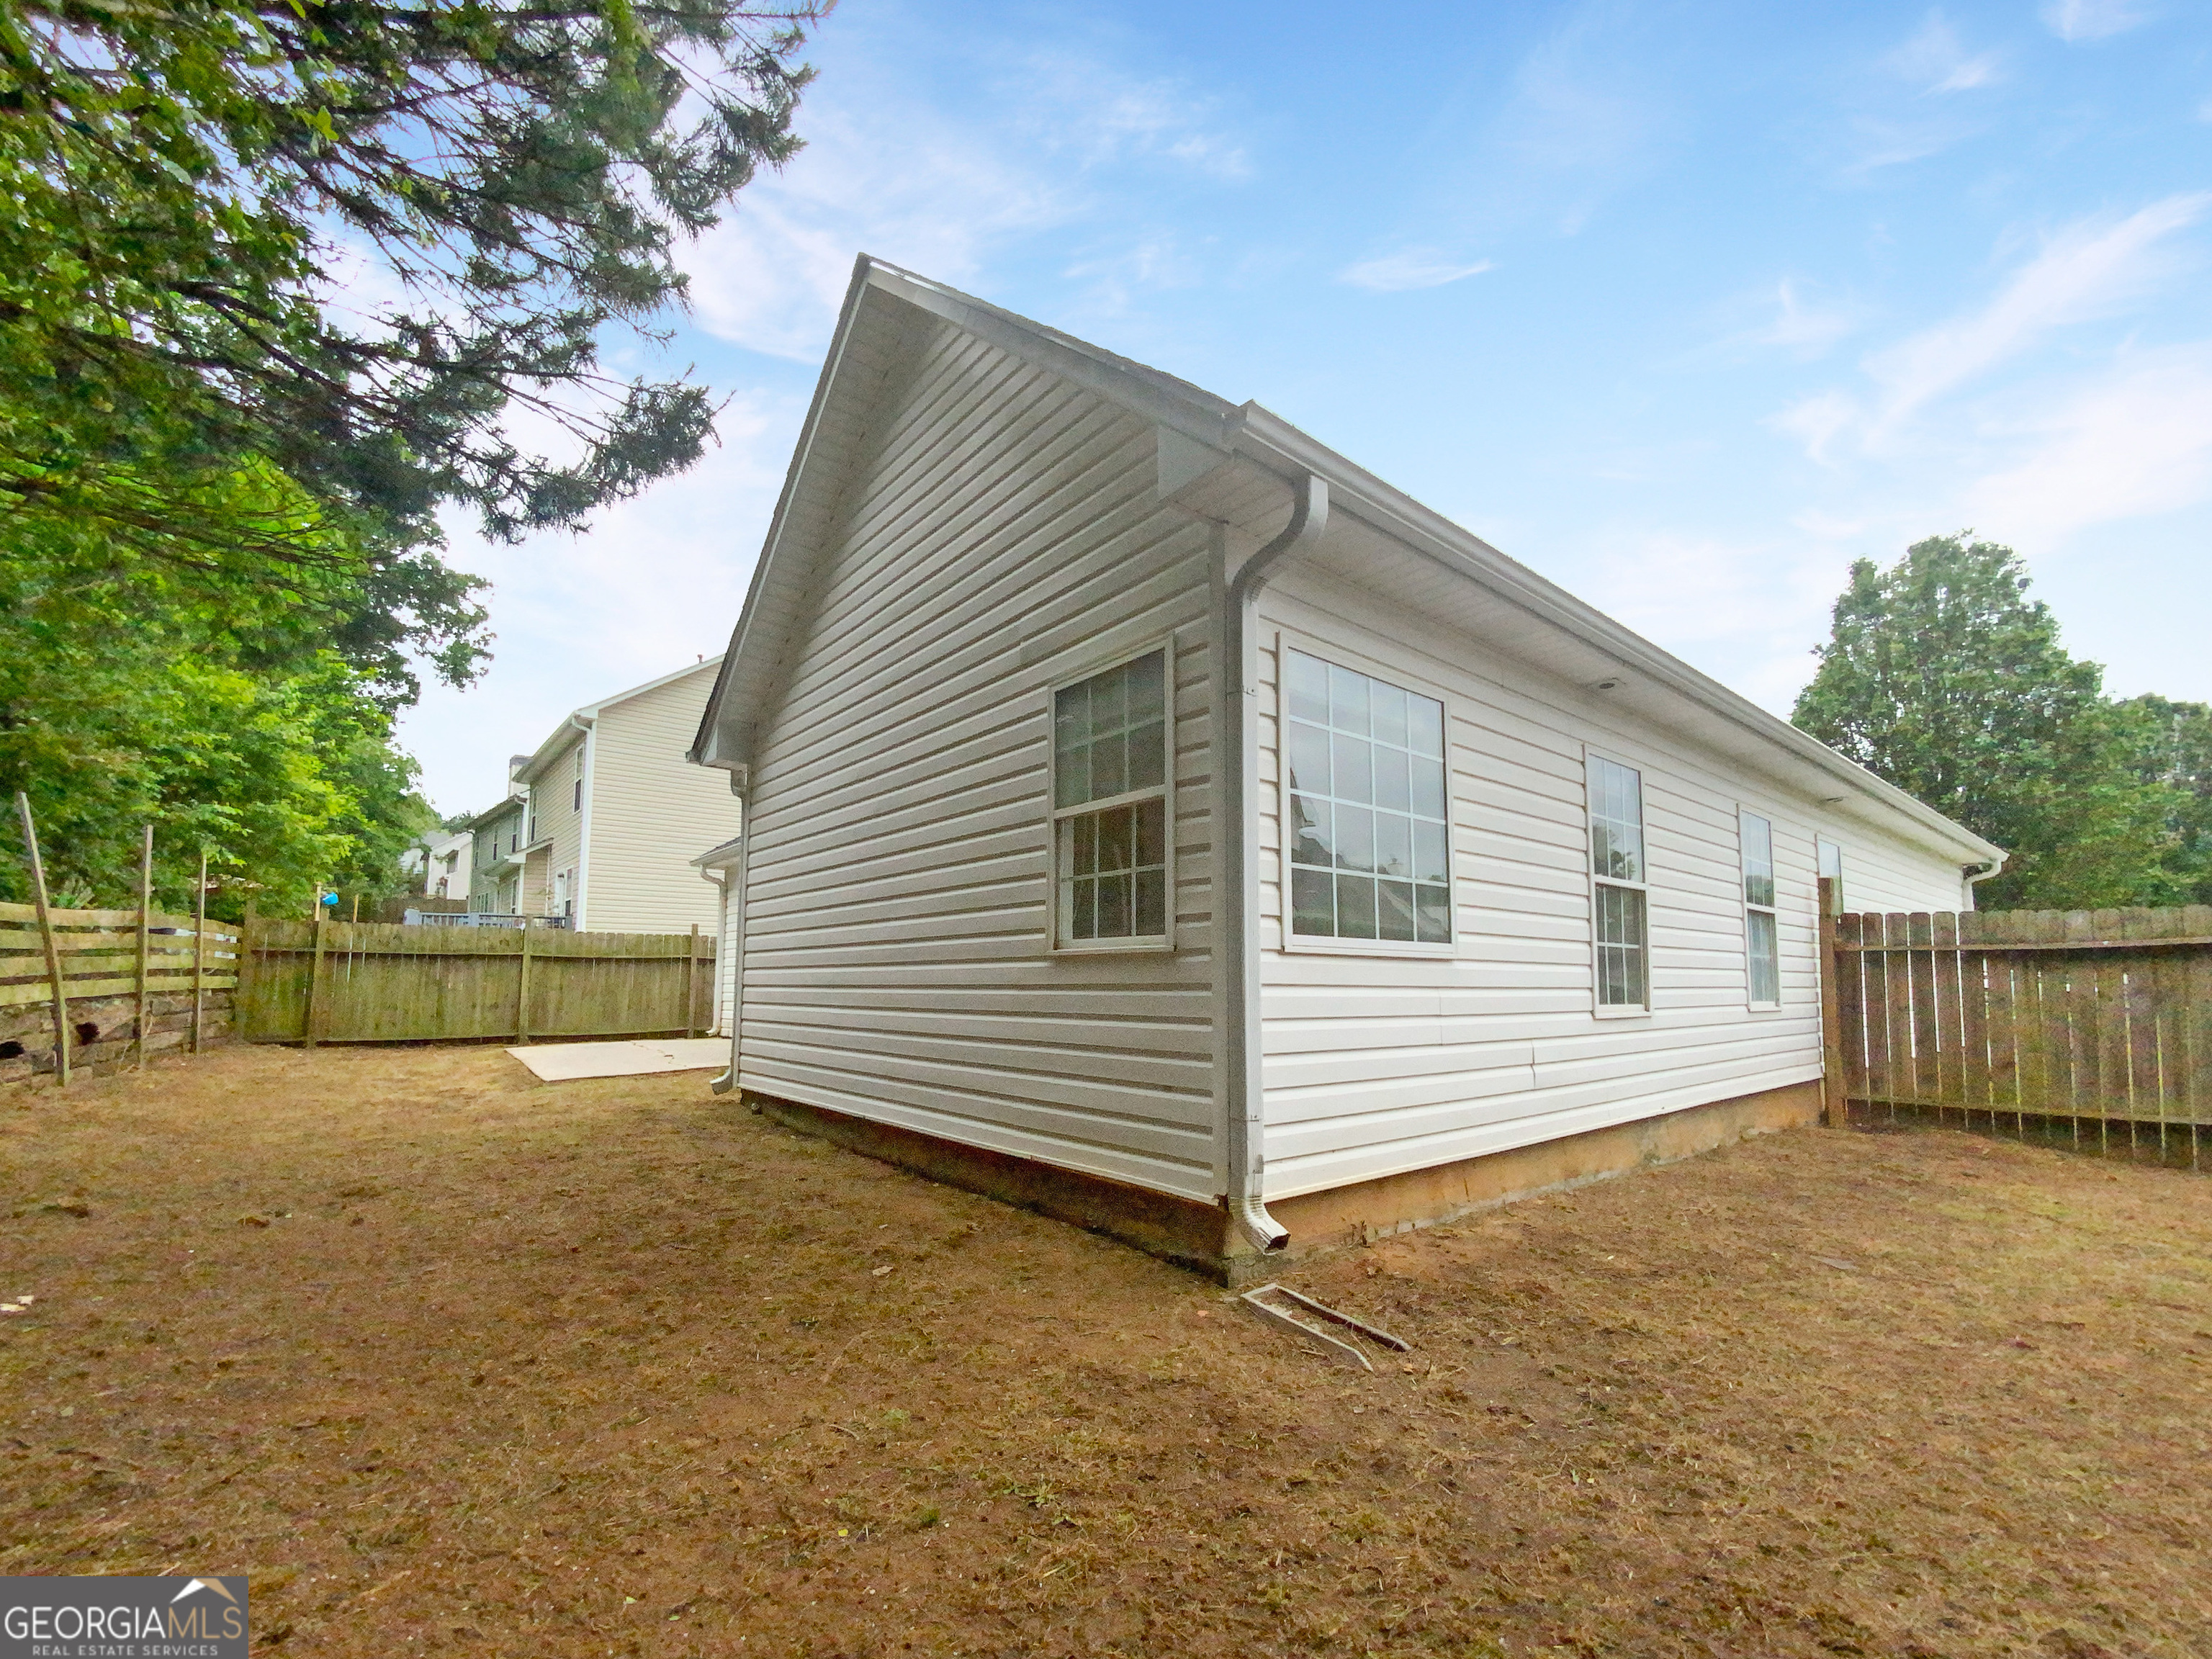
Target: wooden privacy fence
{"x":2100,"y":1016}
{"x":86,"y":987}
{"x":337,"y":981}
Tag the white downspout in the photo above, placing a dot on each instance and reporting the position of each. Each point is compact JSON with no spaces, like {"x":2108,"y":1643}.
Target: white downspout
{"x":733,"y":918}
{"x":1237,"y":738}
{"x":591,"y":728}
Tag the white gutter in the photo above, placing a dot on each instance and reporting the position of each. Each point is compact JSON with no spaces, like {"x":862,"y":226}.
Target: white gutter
{"x":1236,"y":733}
{"x":1975,"y":878}
{"x":1279,"y":447}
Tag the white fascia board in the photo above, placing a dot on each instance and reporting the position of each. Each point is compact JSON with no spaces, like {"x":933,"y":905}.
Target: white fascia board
{"x":728,"y":745}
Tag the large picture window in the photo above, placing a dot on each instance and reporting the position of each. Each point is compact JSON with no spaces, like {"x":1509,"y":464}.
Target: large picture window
{"x":1109,"y":752}
{"x":1619,"y":899}
{"x":1761,"y":942}
{"x":1369,"y":846}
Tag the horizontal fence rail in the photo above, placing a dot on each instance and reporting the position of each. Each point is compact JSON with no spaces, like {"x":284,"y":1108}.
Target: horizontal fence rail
{"x":82,"y":976}
{"x":2099,"y":1017}
{"x":336,"y":982}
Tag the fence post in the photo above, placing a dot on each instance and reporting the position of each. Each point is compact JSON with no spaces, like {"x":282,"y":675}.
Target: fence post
{"x":1834,"y":1091}
{"x":145,"y":941}
{"x":522,"y":987}
{"x":199,"y":951}
{"x":315,"y":985}
{"x":691,"y":986}
{"x":55,"y":982}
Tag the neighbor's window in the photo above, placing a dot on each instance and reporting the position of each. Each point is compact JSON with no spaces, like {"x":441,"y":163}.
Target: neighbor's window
{"x":1619,"y":898}
{"x":1370,"y":847}
{"x":576,"y":804}
{"x":1758,"y":926}
{"x":1109,"y":752}
{"x":1832,"y":866}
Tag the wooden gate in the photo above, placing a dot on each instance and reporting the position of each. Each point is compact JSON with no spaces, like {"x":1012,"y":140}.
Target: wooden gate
{"x":2102,"y":1016}
{"x":337,"y":981}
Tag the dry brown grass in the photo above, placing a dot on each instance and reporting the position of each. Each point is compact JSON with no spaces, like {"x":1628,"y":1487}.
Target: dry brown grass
{"x":612,"y":1367}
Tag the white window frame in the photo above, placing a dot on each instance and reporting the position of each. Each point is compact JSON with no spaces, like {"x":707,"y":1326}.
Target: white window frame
{"x":1593,"y":881}
{"x":1164,"y":792}
{"x":1361,"y":662}
{"x":1772,"y":911}
{"x":1819,"y":843}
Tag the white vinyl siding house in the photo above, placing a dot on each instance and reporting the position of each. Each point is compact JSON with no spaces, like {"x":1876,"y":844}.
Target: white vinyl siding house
{"x":1001,"y":539}
{"x":1513,"y":903}
{"x":619,"y":812}
{"x":1375,"y":1066}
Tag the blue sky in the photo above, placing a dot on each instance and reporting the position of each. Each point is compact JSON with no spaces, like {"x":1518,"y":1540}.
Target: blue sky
{"x":1686,"y":306}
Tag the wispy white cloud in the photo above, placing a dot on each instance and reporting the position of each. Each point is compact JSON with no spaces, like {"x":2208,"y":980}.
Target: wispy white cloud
{"x":1410,"y":268}
{"x":1818,"y":421}
{"x":2135,"y":440}
{"x":2090,"y":270}
{"x":2093,"y":19}
{"x":1800,"y":325}
{"x":886,"y":172}
{"x":1936,"y":61}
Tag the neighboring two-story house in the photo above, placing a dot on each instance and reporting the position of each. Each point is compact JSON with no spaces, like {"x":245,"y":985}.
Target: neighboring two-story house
{"x":611,"y":813}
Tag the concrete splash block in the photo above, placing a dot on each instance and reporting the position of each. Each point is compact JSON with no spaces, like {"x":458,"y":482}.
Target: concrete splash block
{"x":568,"y":1062}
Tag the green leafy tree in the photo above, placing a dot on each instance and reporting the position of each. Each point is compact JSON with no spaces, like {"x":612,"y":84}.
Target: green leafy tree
{"x":1942,"y":676}
{"x":196,"y":191}
{"x":2175,"y":745}
{"x":279,"y":278}
{"x":126,"y":700}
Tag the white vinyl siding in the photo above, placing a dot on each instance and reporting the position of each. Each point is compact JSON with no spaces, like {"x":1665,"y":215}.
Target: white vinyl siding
{"x":1376,"y":1065}
{"x":999,"y":535}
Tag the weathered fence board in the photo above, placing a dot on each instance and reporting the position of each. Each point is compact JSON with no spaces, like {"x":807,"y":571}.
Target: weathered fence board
{"x":112,"y":992}
{"x":2103,"y":1018}
{"x":337,"y":981}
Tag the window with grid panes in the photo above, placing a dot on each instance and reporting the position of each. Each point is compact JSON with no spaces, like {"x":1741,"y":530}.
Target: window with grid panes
{"x":1110,"y":804}
{"x":1369,"y":842}
{"x":1619,"y":898}
{"x":1762,"y":941}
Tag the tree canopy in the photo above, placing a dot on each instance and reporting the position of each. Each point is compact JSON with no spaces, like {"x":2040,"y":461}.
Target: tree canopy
{"x":1942,"y":676}
{"x":278,"y":281}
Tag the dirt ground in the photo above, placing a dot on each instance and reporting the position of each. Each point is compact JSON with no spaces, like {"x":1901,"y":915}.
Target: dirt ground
{"x":447,"y":1359}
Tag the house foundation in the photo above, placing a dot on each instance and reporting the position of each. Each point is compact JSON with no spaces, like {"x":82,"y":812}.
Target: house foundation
{"x":1199,"y":1236}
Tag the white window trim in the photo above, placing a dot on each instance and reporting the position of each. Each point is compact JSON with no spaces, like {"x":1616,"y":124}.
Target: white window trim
{"x":1773,"y":910}
{"x":1819,"y":841}
{"x":1361,"y":663}
{"x":1593,"y":881}
{"x":1164,"y":792}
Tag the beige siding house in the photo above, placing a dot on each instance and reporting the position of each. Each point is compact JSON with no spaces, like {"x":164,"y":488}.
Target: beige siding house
{"x":613,"y":813}
{"x":1153,"y":815}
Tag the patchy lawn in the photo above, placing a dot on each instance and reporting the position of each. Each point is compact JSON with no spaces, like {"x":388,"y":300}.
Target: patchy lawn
{"x":440,"y":1354}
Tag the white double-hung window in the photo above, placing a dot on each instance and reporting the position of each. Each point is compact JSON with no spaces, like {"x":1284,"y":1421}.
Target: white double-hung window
{"x":1761,"y":946}
{"x":1110,"y":808}
{"x":1366,"y":808}
{"x":1619,"y":897}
